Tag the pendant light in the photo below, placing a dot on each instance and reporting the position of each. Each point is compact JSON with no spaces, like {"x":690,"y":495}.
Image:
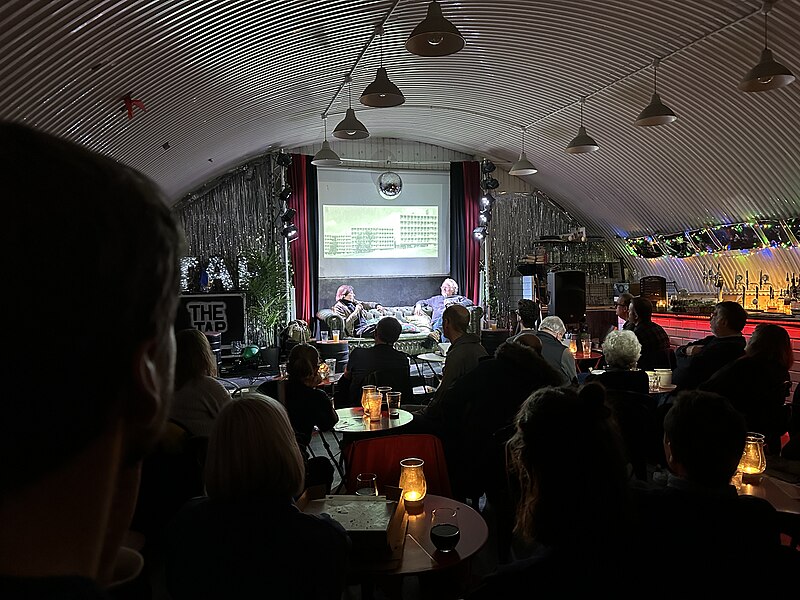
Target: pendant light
{"x":435,"y":35}
{"x":326,"y":157}
{"x":350,"y":128}
{"x":523,"y":166}
{"x":382,"y":93}
{"x":583,"y":142}
{"x":655,"y":113}
{"x":768,"y":74}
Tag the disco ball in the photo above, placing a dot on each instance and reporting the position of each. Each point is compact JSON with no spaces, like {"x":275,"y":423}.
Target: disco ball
{"x":390,"y":185}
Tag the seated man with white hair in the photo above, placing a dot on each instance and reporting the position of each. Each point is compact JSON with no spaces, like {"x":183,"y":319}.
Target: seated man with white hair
{"x":551,"y":332}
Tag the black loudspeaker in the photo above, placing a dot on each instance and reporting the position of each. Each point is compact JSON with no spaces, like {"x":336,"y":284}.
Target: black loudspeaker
{"x":567,"y":295}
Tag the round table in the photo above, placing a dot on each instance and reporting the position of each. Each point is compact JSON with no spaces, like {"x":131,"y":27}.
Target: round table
{"x":352,"y":422}
{"x":431,"y":357}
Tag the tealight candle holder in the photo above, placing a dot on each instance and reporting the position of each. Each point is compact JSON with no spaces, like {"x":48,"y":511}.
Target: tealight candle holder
{"x":412,"y":482}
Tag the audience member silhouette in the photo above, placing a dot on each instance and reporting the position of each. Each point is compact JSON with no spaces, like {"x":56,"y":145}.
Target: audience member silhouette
{"x":758,"y":383}
{"x":247,"y":538}
{"x":71,"y":459}
{"x":380,"y":359}
{"x":575,"y":503}
{"x":697,"y":523}
{"x":309,"y":406}
{"x":621,"y":350}
{"x":655,"y":353}
{"x":198,"y":396}
{"x":699,"y":360}
{"x":551,"y":332}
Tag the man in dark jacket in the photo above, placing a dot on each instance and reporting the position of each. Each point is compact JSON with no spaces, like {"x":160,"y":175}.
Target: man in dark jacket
{"x":557,"y":355}
{"x":698,"y":361}
{"x":652,"y":337}
{"x":380,"y":359}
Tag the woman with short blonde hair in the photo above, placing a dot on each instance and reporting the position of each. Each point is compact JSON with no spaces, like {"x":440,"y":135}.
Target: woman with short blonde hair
{"x":622,"y":350}
{"x":252,"y":452}
{"x":247,"y":535}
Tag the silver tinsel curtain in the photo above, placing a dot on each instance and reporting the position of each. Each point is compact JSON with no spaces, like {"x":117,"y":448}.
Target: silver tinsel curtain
{"x":234,"y":213}
{"x":517,"y":220}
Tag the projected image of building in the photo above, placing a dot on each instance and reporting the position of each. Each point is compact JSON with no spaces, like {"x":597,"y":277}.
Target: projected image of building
{"x":369,"y":239}
{"x":418,"y":230}
{"x":337,"y":245}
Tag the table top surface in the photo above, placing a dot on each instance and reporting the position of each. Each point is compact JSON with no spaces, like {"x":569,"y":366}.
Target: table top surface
{"x":431,"y":357}
{"x":595,"y":355}
{"x":417,"y":554}
{"x":352,"y":421}
{"x":784,"y":496}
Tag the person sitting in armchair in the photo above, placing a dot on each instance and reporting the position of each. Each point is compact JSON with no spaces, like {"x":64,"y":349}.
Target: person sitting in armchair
{"x":352,"y":311}
{"x":441,"y":301}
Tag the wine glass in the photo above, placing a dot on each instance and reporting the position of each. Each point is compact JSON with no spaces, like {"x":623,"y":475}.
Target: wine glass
{"x":444,"y":529}
{"x":366,"y":484}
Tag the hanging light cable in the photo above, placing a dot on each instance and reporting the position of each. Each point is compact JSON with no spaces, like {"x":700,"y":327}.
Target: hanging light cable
{"x":583,"y":142}
{"x":382,"y":93}
{"x":655,"y":113}
{"x":768,"y":74}
{"x":350,"y":128}
{"x":326,"y":157}
{"x":523,"y":166}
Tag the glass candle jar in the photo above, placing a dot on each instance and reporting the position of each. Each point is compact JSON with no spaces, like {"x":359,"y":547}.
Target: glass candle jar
{"x":754,"y":460}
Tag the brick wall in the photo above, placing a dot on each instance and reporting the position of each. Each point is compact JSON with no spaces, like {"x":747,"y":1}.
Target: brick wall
{"x":683,"y":329}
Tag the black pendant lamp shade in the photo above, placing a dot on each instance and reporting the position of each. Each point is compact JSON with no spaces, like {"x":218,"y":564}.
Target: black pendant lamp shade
{"x":768,"y":74}
{"x":382,"y":93}
{"x":583,"y":142}
{"x":350,"y":128}
{"x":655,"y":113}
{"x":435,"y":35}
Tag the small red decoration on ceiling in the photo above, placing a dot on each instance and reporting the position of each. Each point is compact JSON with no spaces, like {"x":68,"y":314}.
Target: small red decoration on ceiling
{"x":130,"y":103}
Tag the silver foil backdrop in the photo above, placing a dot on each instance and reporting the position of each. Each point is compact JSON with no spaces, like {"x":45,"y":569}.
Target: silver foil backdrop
{"x":517,"y":220}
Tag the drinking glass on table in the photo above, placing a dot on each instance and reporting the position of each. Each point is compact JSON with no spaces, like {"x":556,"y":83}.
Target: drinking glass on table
{"x":323,"y":336}
{"x":366,"y":484}
{"x":444,"y":529}
{"x":335,"y":335}
{"x":393,"y":404}
{"x":331,"y":362}
{"x":587,"y":347}
{"x":383,"y":390}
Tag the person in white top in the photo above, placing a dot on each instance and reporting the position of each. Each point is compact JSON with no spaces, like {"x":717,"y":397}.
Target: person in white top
{"x":198,"y":396}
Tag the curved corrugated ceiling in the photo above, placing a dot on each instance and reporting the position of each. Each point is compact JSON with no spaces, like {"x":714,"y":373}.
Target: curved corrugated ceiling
{"x":223,"y":81}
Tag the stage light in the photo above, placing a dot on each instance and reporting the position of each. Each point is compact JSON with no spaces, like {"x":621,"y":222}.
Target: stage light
{"x":284,"y":160}
{"x":489,"y":183}
{"x":479,"y":233}
{"x":290,"y":232}
{"x":486,"y":200}
{"x":287,"y":215}
{"x":487,"y":166}
{"x":286,"y":193}
{"x":485,"y":217}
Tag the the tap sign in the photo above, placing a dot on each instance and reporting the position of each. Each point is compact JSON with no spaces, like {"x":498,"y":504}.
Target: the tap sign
{"x":215,"y":313}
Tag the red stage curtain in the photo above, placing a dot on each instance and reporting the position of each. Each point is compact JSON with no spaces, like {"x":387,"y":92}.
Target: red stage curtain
{"x":303,"y":250}
{"x":472,"y":195}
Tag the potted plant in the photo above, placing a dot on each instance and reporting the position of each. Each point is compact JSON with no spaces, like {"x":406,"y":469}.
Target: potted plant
{"x":267,"y":299}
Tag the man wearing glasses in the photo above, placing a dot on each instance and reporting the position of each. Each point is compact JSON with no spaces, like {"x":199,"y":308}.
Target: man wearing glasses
{"x":622,"y":308}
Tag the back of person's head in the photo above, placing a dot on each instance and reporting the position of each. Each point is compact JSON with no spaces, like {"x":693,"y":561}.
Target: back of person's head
{"x":528,"y":312}
{"x":303,"y":362}
{"x":388,"y":330}
{"x":771,"y":342}
{"x":735,"y":316}
{"x":457,"y":316}
{"x":100,"y":236}
{"x":643,"y":308}
{"x":622,"y":349}
{"x":553,"y":325}
{"x":531,"y":340}
{"x":194,"y":358}
{"x":568,"y":454}
{"x":253,"y":452}
{"x":704,"y":437}
{"x":526,"y":360}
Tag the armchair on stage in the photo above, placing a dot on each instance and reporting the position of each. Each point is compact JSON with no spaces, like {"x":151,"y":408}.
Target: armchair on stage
{"x":413,"y":335}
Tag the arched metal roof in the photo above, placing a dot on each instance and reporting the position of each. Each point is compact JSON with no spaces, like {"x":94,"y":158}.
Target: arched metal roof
{"x":223,"y":81}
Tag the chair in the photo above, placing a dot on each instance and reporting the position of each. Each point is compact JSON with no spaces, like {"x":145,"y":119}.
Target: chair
{"x":382,"y":456}
{"x":637,"y":420}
